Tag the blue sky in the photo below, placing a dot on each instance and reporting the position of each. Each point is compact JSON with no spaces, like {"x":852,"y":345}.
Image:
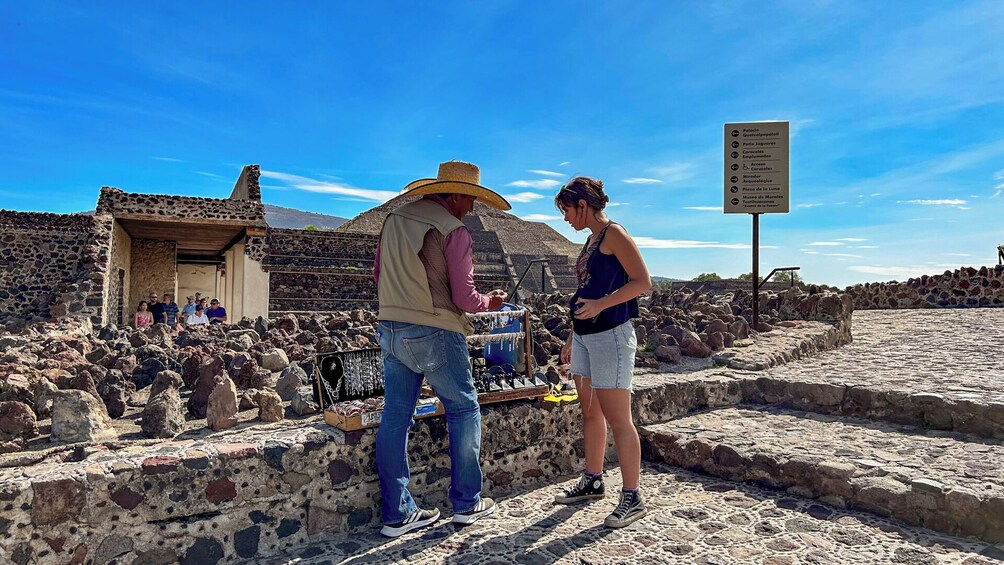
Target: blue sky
{"x":896,"y":111}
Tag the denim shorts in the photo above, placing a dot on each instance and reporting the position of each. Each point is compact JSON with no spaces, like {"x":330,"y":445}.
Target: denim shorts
{"x":606,"y":358}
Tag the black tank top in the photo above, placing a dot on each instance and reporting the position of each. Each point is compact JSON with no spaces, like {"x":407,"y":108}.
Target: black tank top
{"x":599,"y":275}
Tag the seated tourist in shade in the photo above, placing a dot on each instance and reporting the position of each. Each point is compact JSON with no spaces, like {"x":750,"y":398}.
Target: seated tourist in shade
{"x":197,"y":317}
{"x":156,"y":308}
{"x":144,"y":318}
{"x":171,"y":310}
{"x":189,"y":308}
{"x":216,"y":313}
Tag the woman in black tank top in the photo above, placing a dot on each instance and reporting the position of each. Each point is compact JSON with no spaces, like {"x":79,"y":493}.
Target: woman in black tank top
{"x":601,"y":347}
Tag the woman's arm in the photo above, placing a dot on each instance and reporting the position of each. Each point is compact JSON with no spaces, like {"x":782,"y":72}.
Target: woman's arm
{"x":618,"y":243}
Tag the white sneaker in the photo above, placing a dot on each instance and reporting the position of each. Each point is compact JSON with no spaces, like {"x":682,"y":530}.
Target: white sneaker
{"x":418,"y":519}
{"x":484,"y":507}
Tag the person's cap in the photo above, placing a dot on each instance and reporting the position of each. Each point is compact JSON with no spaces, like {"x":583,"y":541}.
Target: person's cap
{"x":189,"y":298}
{"x":214,"y":301}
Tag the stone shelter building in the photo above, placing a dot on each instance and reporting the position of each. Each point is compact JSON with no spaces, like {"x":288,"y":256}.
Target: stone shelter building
{"x":100,"y":266}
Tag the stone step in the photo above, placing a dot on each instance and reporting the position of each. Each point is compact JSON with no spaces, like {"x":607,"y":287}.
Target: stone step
{"x":946,"y":481}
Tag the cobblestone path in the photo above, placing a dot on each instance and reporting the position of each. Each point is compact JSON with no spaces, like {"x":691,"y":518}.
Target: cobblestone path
{"x":955,"y":353}
{"x":692,"y":519}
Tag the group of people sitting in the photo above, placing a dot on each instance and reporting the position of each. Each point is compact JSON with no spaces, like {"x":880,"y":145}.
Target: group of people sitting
{"x":194,"y":313}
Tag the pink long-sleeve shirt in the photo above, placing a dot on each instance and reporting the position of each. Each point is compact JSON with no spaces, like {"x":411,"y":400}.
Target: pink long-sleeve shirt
{"x":458,"y":248}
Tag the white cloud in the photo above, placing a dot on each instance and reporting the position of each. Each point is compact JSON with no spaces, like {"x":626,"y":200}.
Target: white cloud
{"x":609,"y":204}
{"x":210,"y":175}
{"x":674,"y":173}
{"x":841,"y":255}
{"x":944,"y":202}
{"x":811,"y":252}
{"x":523,"y":197}
{"x":826,"y":243}
{"x":999,"y":175}
{"x":850,"y":239}
{"x":796,"y":126}
{"x":654,"y":243}
{"x":545,"y":173}
{"x":641,"y":180}
{"x":564,"y":163}
{"x":169,"y":159}
{"x":875,"y":194}
{"x":959,"y":254}
{"x":704,"y":208}
{"x":865,"y":246}
{"x":807,"y":205}
{"x":540,"y":217}
{"x":323,"y":187}
{"x":996,"y":194}
{"x":540,"y":184}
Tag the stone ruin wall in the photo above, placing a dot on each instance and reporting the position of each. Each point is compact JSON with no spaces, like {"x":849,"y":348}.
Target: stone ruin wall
{"x":319,"y":270}
{"x":116,"y":290}
{"x":53,"y":266}
{"x":967,"y":287}
{"x":247,"y":186}
{"x":167,"y":207}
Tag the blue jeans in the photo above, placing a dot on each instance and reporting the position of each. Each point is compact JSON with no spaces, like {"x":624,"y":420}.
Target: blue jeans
{"x":410,"y":352}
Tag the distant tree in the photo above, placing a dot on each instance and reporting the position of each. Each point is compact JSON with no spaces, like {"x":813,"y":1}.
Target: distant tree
{"x":311,"y":227}
{"x":783,"y":277}
{"x":748,"y":277}
{"x":705,"y":277}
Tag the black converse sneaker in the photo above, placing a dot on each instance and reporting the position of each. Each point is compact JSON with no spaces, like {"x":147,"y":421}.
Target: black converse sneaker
{"x":418,"y":519}
{"x":484,"y":507}
{"x":629,"y":508}
{"x":586,"y":489}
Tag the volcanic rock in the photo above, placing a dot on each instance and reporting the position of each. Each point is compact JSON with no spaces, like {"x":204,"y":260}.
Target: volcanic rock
{"x":270,"y":407}
{"x":303,"y":401}
{"x":221,"y":412}
{"x":162,"y":415}
{"x":17,"y":422}
{"x":79,"y":416}
{"x":164,"y":381}
{"x":292,"y":378}
{"x":274,"y":360}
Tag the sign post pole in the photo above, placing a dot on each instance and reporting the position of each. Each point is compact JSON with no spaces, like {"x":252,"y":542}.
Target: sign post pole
{"x":756,"y":270}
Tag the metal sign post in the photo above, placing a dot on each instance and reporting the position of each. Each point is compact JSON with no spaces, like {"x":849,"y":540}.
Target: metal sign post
{"x":756,"y":270}
{"x":756,"y":180}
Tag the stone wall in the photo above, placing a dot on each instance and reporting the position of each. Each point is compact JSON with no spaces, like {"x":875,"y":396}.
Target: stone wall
{"x":119,"y":275}
{"x":247,"y":187}
{"x":53,"y":266}
{"x":167,"y":207}
{"x":967,"y":287}
{"x":154,"y":269}
{"x":319,"y":271}
{"x":254,"y":494}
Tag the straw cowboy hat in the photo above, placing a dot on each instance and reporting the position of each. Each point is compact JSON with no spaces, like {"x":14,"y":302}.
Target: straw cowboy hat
{"x":457,"y":177}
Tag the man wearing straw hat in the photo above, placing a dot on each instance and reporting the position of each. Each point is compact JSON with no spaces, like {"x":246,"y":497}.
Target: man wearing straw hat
{"x":425,"y":283}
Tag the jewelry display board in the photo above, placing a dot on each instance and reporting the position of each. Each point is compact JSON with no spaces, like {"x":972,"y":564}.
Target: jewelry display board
{"x":349,"y":384}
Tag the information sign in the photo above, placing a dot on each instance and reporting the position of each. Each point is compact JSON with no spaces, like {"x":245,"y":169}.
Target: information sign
{"x":756,"y":168}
